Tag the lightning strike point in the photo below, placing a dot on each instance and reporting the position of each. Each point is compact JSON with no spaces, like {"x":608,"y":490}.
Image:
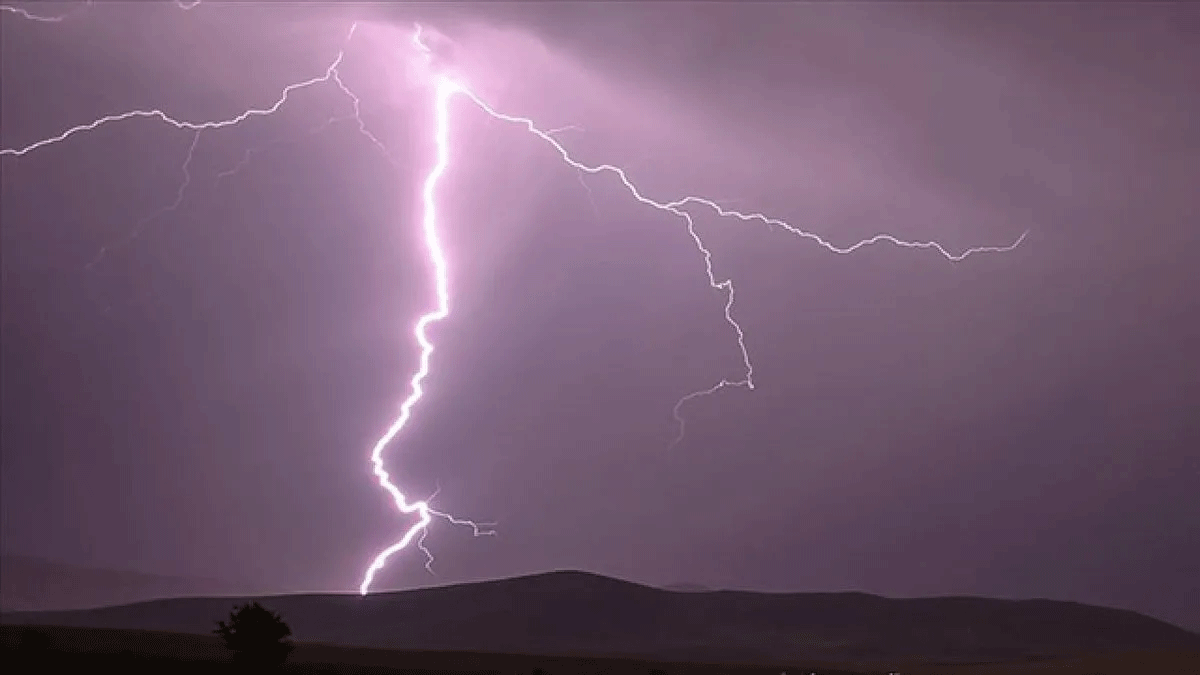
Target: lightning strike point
{"x":445,"y":89}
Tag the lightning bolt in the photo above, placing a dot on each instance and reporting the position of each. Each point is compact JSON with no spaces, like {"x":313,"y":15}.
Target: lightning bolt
{"x":445,"y":88}
{"x":87,"y":4}
{"x":30,"y":16}
{"x":177,"y":123}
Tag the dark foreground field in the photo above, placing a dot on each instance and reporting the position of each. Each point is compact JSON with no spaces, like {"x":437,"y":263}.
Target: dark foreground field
{"x":30,"y":649}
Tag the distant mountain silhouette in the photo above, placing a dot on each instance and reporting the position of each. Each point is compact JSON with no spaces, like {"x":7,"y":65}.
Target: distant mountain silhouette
{"x":575,"y":613}
{"x":33,"y":584}
{"x":687,"y":588}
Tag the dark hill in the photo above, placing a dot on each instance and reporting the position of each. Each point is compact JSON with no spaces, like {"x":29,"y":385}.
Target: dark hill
{"x":577,"y":613}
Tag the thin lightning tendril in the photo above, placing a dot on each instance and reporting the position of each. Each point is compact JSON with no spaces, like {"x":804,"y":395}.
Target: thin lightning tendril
{"x":30,"y":16}
{"x":446,"y":88}
{"x":41,"y":18}
{"x":141,"y":224}
{"x":250,"y":153}
{"x":177,"y":123}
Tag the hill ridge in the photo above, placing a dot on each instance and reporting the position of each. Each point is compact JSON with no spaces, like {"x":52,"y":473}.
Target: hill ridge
{"x":576,"y":612}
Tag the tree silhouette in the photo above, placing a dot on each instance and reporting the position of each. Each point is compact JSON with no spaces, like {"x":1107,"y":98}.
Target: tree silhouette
{"x":256,"y":635}
{"x":33,"y":641}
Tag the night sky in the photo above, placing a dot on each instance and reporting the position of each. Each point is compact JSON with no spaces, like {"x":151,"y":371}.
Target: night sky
{"x":202,"y":400}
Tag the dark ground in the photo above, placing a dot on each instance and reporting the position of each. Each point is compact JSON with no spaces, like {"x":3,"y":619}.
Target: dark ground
{"x":28,"y":649}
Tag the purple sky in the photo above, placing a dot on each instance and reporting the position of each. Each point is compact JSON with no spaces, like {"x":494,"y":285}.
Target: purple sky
{"x":202,"y":401}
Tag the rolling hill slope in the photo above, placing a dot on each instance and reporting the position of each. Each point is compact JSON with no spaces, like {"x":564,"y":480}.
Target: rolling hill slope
{"x":574,"y":613}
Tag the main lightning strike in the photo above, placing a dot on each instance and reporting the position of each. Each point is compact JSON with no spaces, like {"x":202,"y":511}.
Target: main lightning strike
{"x":446,"y":88}
{"x":424,"y":511}
{"x":437,"y":256}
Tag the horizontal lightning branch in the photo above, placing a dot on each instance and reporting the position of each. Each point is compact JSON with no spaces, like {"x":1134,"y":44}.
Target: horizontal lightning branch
{"x":676,"y":208}
{"x":30,"y":16}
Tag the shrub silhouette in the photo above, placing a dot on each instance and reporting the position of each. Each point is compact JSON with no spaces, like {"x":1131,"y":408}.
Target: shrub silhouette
{"x":33,"y":641}
{"x":256,"y":635}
